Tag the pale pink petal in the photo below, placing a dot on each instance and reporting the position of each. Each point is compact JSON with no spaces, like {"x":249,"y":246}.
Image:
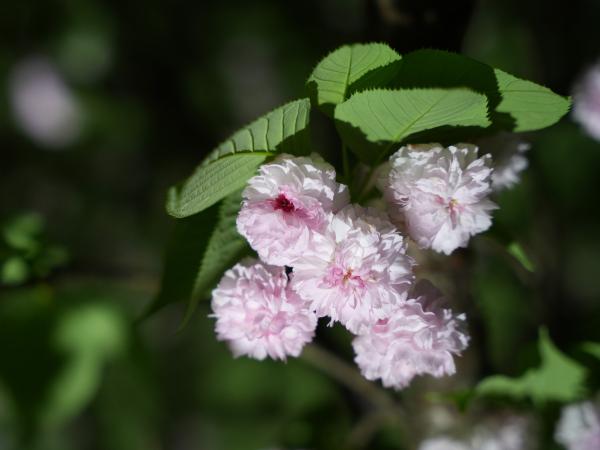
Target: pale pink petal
{"x":358,"y":271}
{"x":419,"y":337}
{"x":439,"y":195}
{"x":286,"y":203}
{"x":259,"y":315}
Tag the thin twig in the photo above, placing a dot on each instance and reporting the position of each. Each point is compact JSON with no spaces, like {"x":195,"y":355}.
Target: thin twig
{"x":347,"y":375}
{"x":387,"y":409}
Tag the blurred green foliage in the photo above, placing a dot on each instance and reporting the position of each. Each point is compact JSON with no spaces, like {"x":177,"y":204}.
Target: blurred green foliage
{"x":24,"y":253}
{"x":558,"y":378}
{"x":159,"y":84}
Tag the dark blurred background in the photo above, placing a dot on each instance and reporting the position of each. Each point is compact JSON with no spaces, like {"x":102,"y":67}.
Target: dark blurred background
{"x":104,"y":104}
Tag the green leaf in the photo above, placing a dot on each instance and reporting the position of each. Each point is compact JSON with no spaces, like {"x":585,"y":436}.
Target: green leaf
{"x":532,"y":106}
{"x":371,"y":122}
{"x":515,"y":104}
{"x":517,"y":251}
{"x":558,"y":378}
{"x":88,"y":337}
{"x":14,"y":271}
{"x":350,"y":68}
{"x":503,"y":303}
{"x":22,"y":232}
{"x":225,"y":247}
{"x":183,"y":256}
{"x":592,"y":348}
{"x":211,"y":182}
{"x":228,"y":167}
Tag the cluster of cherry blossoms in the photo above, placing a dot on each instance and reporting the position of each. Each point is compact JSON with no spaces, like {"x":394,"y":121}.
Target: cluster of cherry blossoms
{"x":322,"y":256}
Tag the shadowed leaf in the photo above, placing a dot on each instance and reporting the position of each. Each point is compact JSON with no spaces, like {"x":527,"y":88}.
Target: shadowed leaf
{"x":225,"y":247}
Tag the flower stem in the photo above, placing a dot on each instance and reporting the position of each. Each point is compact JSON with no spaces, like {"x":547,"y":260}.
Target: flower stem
{"x":387,"y":409}
{"x":341,"y":371}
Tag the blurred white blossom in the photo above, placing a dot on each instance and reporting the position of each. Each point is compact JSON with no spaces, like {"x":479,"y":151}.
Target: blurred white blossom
{"x":508,"y":156}
{"x":586,"y":102}
{"x":579,"y":427}
{"x":43,"y":105}
{"x":512,"y":432}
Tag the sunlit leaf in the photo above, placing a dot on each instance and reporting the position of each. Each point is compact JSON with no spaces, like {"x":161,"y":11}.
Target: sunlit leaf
{"x":349,"y":68}
{"x":515,"y":104}
{"x":229,"y":166}
{"x":530,"y":105}
{"x":385,"y":117}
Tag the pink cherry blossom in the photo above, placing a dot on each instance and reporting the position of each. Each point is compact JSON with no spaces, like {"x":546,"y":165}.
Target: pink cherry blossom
{"x":358,"y":270}
{"x":259,"y":315}
{"x":286,"y":203}
{"x":420,"y":337}
{"x":579,"y":427}
{"x":440,"y":195}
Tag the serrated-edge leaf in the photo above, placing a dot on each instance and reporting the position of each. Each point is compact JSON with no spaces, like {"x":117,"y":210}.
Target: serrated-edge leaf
{"x":225,"y":247}
{"x":389,"y":116}
{"x":228,"y":166}
{"x":337,"y":71}
{"x":534,"y":107}
{"x":260,"y":135}
{"x":210,"y":183}
{"x":531,"y":105}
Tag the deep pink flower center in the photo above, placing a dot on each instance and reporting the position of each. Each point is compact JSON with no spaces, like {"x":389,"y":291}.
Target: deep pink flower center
{"x":283,"y":203}
{"x":344,"y":278}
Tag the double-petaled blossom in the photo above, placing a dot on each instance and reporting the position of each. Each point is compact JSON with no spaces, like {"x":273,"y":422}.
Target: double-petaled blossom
{"x":586,"y":102}
{"x":358,"y":272}
{"x":439,"y":195}
{"x":259,"y":315}
{"x":579,"y":427}
{"x":286,"y":203}
{"x":419,"y":337}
